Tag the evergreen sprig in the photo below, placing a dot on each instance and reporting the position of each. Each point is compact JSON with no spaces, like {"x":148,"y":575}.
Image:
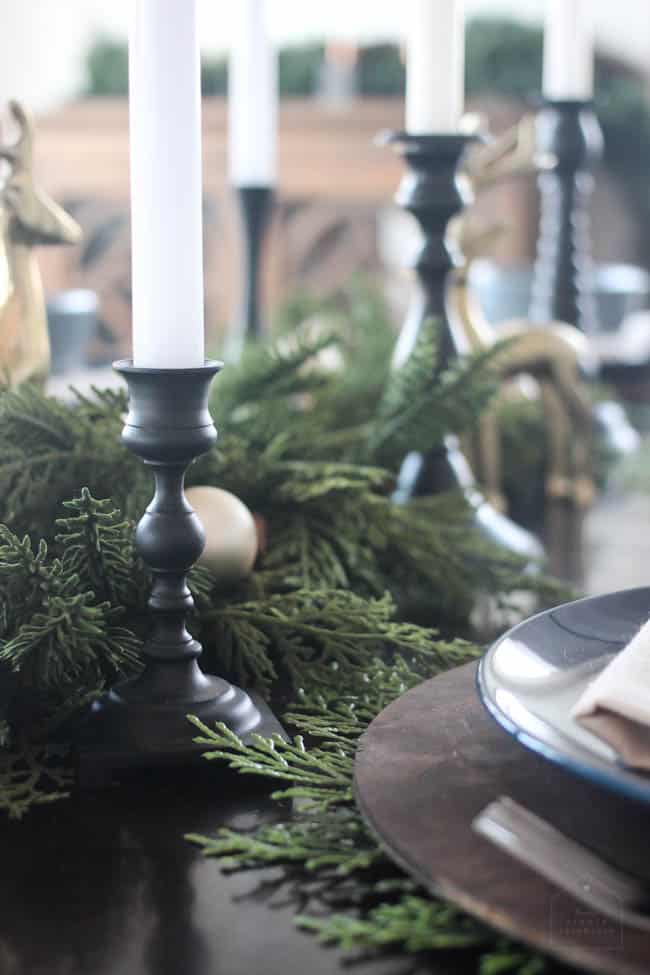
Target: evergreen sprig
{"x":25,"y":579}
{"x":50,"y":449}
{"x":416,"y":924}
{"x":58,"y":640}
{"x":97,"y":545}
{"x":336,"y":841}
{"x":31,"y":777}
{"x":321,"y":777}
{"x":414,"y":412}
{"x":72,"y":643}
{"x":310,"y":635}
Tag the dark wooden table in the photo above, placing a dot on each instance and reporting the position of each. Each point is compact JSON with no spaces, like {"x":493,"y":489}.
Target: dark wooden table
{"x":105,"y":883}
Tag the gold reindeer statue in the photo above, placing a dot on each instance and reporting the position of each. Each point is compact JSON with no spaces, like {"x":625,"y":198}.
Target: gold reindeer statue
{"x":546,"y":361}
{"x":28,"y":218}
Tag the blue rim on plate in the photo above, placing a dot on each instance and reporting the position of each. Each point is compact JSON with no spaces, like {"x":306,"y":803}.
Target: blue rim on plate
{"x":529,"y":679}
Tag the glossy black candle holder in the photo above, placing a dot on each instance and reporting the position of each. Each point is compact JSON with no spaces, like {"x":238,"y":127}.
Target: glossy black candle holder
{"x":144,"y":721}
{"x":255,"y":205}
{"x":568,"y":134}
{"x":433,"y":192}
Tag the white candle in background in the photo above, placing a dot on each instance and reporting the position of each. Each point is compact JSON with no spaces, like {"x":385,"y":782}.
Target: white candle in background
{"x":569,"y":49}
{"x":435,"y":66}
{"x":166,"y":194}
{"x":252,"y":97}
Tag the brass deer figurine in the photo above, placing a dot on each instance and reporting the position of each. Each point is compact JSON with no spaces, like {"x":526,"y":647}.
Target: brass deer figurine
{"x":28,"y":217}
{"x":547,"y":359}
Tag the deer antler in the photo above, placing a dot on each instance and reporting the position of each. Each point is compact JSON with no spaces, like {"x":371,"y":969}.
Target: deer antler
{"x":19,"y":153}
{"x":469,"y":237}
{"x":513,"y":152}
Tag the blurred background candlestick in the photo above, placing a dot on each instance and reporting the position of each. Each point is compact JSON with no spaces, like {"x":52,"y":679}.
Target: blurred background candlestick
{"x":432,"y":193}
{"x":255,"y":210}
{"x":563,"y":287}
{"x":253,"y":107}
{"x":569,"y":136}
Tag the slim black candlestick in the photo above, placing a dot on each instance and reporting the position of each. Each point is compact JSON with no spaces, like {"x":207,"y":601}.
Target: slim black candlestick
{"x":255,"y":209}
{"x":432,"y":192}
{"x":570,"y":138}
{"x":144,"y":721}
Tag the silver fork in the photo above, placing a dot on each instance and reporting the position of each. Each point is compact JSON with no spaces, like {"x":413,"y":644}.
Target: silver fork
{"x":564,"y":862}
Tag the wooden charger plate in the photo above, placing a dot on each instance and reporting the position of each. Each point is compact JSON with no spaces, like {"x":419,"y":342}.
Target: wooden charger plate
{"x":432,"y":760}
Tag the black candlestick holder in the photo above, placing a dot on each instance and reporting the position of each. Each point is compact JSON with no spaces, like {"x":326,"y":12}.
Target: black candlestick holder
{"x":144,"y":721}
{"x":570,"y":138}
{"x":433,"y":192}
{"x":255,"y":209}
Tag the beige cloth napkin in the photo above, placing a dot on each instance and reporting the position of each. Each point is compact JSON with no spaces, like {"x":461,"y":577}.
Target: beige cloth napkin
{"x":616,"y":705}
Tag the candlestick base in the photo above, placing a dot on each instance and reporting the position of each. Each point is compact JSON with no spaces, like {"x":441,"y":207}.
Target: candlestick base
{"x":131,"y":728}
{"x":143,"y":722}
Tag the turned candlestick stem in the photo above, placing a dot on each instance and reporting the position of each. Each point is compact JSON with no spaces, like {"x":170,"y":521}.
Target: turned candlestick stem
{"x":569,"y":136}
{"x":433,"y":193}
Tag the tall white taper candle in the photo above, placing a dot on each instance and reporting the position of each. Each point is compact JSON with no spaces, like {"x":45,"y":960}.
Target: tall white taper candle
{"x":569,"y":49}
{"x":166,"y":197}
{"x":252,"y":98}
{"x":435,"y":66}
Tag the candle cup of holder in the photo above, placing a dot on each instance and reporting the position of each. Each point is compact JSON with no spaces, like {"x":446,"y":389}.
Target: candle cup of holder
{"x":143,"y":721}
{"x":432,"y":191}
{"x":570,"y":138}
{"x":255,"y":209}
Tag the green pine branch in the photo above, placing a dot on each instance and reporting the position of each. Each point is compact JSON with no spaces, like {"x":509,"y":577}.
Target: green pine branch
{"x":414,"y":923}
{"x":335,"y":841}
{"x":421,"y":404}
{"x":322,"y":778}
{"x":311,"y":635}
{"x":72,"y":643}
{"x":97,"y":545}
{"x":25,"y":580}
{"x":31,"y":777}
{"x":268,"y":375}
{"x":57,"y":638}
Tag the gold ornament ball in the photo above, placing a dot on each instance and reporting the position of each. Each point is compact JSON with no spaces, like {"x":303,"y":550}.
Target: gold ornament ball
{"x":230,"y":533}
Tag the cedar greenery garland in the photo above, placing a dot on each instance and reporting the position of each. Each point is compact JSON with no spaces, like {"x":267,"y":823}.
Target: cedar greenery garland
{"x":314,"y":452}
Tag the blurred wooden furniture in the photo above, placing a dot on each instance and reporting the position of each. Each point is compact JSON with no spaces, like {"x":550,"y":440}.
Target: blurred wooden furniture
{"x":333,"y":181}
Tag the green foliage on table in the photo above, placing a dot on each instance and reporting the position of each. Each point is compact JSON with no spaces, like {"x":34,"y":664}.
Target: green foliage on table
{"x":327,"y":853}
{"x":314,"y":451}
